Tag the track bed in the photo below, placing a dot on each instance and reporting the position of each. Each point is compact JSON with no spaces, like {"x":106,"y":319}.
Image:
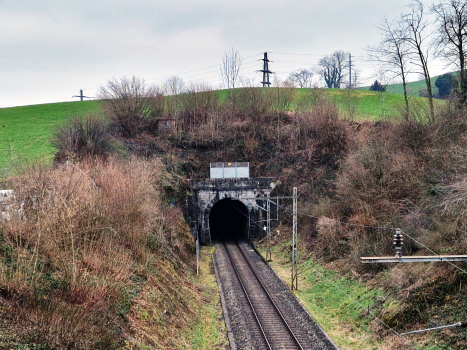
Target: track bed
{"x":263,"y":313}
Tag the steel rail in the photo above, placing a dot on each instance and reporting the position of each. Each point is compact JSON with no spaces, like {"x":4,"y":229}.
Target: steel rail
{"x":271,"y":300}
{"x":246,"y":295}
{"x":282,"y":318}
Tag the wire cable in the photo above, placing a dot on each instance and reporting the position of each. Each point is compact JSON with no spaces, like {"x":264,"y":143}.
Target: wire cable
{"x":344,"y":292}
{"x":424,"y":246}
{"x":381,"y":228}
{"x":364,"y":307}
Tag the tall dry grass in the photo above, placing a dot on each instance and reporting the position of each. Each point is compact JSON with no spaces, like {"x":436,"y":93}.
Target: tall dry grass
{"x":68,"y":272}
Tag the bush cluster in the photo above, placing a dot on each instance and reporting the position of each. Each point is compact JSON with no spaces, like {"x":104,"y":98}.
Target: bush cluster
{"x":95,"y":233}
{"x":83,"y":137}
{"x":409,"y":174}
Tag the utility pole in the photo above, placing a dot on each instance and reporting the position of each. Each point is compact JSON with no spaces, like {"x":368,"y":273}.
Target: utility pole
{"x":268,"y":227}
{"x":350,"y":71}
{"x":81,"y":96}
{"x":294,"y":242}
{"x":266,"y":71}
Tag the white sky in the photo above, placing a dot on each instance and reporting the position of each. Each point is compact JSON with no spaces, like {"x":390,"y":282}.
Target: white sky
{"x":50,"y":49}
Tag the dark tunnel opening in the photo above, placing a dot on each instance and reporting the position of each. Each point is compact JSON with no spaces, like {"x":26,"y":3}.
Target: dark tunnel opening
{"x":228,"y":220}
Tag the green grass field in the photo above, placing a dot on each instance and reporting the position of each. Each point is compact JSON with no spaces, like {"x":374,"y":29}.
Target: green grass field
{"x":369,"y":105}
{"x":25,"y":131}
{"x":413,"y":88}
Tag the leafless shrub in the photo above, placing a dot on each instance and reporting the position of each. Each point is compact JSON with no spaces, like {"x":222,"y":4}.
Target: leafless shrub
{"x":452,"y":208}
{"x":451,"y":122}
{"x":324,"y":130}
{"x":249,"y":100}
{"x":417,"y":138}
{"x":377,"y":179}
{"x":197,"y":103}
{"x":131,"y":104}
{"x":82,"y":137}
{"x":283,"y":96}
{"x":416,"y":111}
{"x":351,"y":102}
{"x":91,"y":227}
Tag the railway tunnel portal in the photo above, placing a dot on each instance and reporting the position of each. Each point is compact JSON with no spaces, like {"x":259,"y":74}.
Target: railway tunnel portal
{"x":228,"y":204}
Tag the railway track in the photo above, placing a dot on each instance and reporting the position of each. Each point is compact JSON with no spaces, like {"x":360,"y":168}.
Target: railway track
{"x":276,"y":332}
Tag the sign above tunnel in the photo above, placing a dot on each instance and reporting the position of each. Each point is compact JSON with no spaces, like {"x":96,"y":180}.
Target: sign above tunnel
{"x":230,"y":170}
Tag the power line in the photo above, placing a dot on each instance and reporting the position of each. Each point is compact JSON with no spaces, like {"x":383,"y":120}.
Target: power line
{"x":382,"y":228}
{"x":297,"y":54}
{"x":195,"y":70}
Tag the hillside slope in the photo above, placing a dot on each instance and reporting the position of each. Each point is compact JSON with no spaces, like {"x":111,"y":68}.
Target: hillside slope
{"x":25,"y":132}
{"x":356,"y":180}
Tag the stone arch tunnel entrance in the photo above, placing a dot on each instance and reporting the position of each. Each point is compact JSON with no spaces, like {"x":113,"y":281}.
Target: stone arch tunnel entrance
{"x":229,"y":220}
{"x":221,"y":208}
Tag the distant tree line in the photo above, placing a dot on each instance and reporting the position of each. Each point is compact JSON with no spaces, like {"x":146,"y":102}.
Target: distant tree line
{"x":332,"y":69}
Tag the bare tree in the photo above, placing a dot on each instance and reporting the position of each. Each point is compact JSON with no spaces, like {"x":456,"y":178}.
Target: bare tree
{"x":230,"y":68}
{"x":392,"y":54}
{"x":351,"y":102}
{"x":451,"y":17}
{"x":174,"y":86}
{"x":333,"y":69}
{"x":381,"y":93}
{"x":302,"y":77}
{"x":356,"y":79}
{"x":131,"y":103}
{"x":417,"y":31}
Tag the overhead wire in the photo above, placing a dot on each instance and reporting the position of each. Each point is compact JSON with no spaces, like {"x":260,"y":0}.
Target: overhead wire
{"x":195,"y":70}
{"x":364,"y":307}
{"x":340,"y":289}
{"x":400,"y":335}
{"x":380,"y":228}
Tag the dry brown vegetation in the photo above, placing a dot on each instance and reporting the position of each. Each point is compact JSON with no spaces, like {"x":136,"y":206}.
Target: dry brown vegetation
{"x":355,"y":179}
{"x":97,"y":241}
{"x":409,"y":174}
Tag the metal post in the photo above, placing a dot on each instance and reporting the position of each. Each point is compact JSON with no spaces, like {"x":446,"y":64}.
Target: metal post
{"x":249,"y":226}
{"x":197,"y":256}
{"x":294,"y":242}
{"x":277,"y":211}
{"x":268,"y":228}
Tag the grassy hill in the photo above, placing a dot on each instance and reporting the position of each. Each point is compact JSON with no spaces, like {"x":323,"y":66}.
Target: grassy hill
{"x":101,"y":234}
{"x":25,"y":131}
{"x":413,"y":88}
{"x":369,"y":106}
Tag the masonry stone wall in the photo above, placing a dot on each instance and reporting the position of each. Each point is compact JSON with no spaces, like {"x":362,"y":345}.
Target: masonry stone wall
{"x":206,"y":193}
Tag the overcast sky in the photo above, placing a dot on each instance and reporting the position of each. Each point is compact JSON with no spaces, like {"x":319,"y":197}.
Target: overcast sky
{"x":50,"y":49}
